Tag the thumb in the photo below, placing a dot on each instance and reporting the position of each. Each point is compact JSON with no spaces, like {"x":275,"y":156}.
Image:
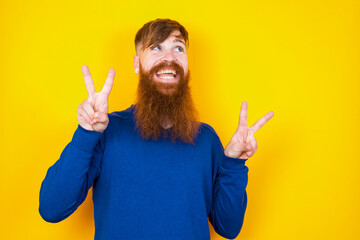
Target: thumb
{"x":100,"y":117}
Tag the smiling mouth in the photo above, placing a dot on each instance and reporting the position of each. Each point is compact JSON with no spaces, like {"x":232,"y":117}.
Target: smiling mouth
{"x":166,"y":74}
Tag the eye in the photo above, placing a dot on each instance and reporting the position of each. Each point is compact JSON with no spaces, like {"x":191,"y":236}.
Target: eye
{"x":157,"y":48}
{"x":180,"y":49}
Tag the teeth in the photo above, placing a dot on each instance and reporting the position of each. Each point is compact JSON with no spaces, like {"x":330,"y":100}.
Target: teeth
{"x":166,"y":71}
{"x":165,"y":77}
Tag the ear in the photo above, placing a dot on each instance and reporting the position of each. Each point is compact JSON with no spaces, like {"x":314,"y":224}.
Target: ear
{"x":136,"y":64}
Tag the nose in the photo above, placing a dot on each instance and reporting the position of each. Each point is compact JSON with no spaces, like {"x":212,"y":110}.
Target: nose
{"x":168,"y":56}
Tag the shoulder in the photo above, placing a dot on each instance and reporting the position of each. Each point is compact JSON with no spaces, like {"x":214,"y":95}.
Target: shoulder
{"x":206,"y":128}
{"x":120,"y":120}
{"x":122,"y":115}
{"x":208,"y":132}
{"x":208,"y":135}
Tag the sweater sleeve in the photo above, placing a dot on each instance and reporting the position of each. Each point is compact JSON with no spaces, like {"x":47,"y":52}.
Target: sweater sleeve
{"x":229,"y":193}
{"x":67,"y":182}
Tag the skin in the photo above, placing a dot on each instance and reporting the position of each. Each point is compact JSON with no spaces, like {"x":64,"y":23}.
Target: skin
{"x":93,"y":112}
{"x":243,"y":144}
{"x":173,"y":49}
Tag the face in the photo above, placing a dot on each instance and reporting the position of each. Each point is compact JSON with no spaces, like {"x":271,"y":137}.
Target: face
{"x":169,"y":52}
{"x":163,"y":94}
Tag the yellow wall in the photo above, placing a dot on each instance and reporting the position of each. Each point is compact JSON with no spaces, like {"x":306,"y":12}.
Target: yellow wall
{"x":298,"y":58}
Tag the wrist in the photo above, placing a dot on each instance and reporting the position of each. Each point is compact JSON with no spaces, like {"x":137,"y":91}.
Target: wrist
{"x":85,"y":139}
{"x":233,"y":163}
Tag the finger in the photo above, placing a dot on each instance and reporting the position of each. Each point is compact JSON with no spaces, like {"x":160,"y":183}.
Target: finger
{"x":102,"y":108}
{"x":84,"y":115}
{"x":252,"y":149}
{"x":243,"y":114}
{"x":250,"y":146}
{"x":96,"y":115}
{"x":252,"y":152}
{"x":247,"y":154}
{"x":253,"y":144}
{"x":261,"y":122}
{"x":109,"y":82}
{"x":88,"y":80}
{"x":244,"y":133}
{"x":244,"y":156}
{"x":89,"y":109}
{"x":102,"y":117}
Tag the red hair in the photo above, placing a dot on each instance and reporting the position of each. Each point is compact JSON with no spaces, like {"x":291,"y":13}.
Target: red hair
{"x":157,"y":31}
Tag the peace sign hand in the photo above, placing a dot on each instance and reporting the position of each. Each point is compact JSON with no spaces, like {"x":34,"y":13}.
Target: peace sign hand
{"x":92,"y":114}
{"x":243,"y":143}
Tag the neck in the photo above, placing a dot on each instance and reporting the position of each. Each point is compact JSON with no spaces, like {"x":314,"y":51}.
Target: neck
{"x":166,"y":123}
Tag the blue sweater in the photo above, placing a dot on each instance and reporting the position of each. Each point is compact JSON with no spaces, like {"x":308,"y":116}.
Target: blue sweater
{"x":146,"y":189}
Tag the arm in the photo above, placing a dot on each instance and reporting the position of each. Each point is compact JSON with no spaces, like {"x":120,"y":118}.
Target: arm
{"x":67,"y":182}
{"x":229,"y":194}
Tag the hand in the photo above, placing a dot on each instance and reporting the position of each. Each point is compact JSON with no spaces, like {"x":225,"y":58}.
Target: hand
{"x":92,"y":114}
{"x":243,"y":144}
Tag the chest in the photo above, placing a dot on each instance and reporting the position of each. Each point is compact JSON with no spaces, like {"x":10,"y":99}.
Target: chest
{"x":133,"y":165}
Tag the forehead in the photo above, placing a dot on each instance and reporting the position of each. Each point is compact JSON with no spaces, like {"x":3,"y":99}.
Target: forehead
{"x":175,"y":36}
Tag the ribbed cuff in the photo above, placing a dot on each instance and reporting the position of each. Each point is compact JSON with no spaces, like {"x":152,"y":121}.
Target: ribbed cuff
{"x":85,"y":139}
{"x":233,"y":163}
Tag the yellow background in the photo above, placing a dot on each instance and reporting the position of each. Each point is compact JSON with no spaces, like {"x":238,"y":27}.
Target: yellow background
{"x":299,"y":59}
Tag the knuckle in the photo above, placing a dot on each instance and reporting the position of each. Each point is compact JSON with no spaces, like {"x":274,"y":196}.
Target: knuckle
{"x":85,"y":103}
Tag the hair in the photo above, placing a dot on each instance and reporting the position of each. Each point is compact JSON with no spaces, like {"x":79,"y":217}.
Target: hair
{"x":153,"y":107}
{"x":157,"y":31}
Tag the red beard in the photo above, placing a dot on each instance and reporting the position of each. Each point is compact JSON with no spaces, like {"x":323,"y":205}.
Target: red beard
{"x":159,"y":104}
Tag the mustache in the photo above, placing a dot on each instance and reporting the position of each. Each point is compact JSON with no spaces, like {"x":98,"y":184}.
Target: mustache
{"x":173,"y":65}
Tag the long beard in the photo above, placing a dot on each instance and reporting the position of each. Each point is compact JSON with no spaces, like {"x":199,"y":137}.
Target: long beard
{"x":161,"y":104}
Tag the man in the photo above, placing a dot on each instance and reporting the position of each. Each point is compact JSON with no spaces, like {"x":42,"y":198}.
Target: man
{"x":156,"y":172}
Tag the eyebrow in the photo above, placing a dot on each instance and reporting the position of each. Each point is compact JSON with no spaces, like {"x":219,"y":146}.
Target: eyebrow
{"x":179,"y":40}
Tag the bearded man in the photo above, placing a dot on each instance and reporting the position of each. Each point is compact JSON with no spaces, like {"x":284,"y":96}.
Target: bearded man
{"x":156,"y":171}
